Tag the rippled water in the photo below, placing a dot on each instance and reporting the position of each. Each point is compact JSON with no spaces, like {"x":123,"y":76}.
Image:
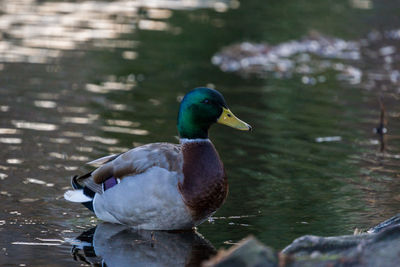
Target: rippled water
{"x":82,"y":79}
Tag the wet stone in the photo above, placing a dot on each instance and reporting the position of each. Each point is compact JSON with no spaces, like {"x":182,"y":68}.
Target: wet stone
{"x":377,"y":247}
{"x":249,"y":252}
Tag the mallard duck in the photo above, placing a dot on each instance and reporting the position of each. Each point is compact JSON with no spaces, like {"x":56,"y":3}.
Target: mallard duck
{"x":164,"y":186}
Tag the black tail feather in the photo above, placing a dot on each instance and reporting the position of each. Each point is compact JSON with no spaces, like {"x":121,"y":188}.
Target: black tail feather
{"x":75,"y":180}
{"x":74,"y":183}
{"x":87,"y":191}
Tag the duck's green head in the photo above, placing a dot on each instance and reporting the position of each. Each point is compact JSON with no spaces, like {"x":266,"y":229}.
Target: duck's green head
{"x":202,"y":107}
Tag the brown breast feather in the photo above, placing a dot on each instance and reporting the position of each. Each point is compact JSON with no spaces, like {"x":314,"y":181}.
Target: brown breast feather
{"x":138,"y":160}
{"x":205,"y":185}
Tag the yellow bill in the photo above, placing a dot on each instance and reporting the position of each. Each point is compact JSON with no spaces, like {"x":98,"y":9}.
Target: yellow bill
{"x":227,"y":118}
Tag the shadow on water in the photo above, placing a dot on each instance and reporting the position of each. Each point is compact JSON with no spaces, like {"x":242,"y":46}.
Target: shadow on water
{"x":117,"y":245}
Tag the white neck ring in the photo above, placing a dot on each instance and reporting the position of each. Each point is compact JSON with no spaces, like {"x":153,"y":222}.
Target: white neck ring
{"x":196,"y":140}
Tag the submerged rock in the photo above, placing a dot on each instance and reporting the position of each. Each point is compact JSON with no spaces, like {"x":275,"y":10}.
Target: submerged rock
{"x":378,"y":247}
{"x":249,"y":252}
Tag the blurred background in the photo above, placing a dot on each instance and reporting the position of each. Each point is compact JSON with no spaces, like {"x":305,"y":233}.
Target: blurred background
{"x":83,"y":79}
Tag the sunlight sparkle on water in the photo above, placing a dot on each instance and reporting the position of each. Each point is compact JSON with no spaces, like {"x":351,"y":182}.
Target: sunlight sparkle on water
{"x":36,"y":244}
{"x":4,"y":108}
{"x":123,"y":123}
{"x":60,"y":140}
{"x":66,"y":157}
{"x":107,"y":141}
{"x":45,"y":104}
{"x":38,"y":126}
{"x":80,"y":120}
{"x":9,"y":131}
{"x":124,"y":130}
{"x":10,"y":140}
{"x":37,"y":181}
{"x":14,"y":161}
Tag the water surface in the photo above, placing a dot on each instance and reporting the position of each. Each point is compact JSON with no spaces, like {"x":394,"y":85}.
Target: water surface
{"x":83,"y":79}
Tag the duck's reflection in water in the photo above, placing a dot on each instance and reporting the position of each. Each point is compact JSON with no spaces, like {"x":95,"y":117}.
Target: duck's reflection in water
{"x":118,"y":245}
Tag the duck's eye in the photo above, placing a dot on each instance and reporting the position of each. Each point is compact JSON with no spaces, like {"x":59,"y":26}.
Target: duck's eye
{"x":206,"y":101}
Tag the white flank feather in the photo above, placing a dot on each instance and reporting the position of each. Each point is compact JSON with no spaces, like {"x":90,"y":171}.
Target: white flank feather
{"x":76,"y":196}
{"x":158,"y":205}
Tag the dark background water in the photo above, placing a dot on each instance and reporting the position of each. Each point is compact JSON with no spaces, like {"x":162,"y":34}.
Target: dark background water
{"x":80,"y":80}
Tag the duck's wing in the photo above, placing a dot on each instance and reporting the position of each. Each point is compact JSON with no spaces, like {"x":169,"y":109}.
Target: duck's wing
{"x":103,"y":160}
{"x":132,"y":162}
